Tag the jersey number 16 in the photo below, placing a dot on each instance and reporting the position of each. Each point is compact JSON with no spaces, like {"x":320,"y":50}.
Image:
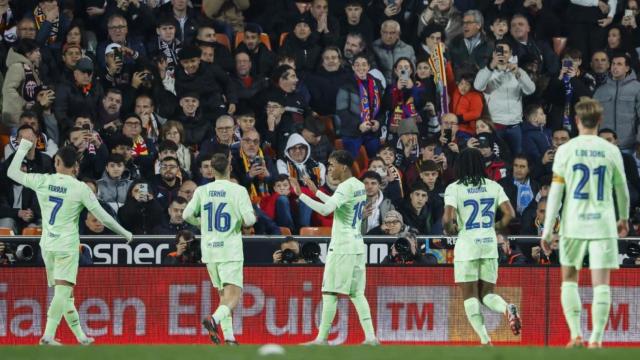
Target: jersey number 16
{"x":222,"y":220}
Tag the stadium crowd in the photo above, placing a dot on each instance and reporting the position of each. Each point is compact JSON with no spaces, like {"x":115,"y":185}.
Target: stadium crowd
{"x":147,"y":90}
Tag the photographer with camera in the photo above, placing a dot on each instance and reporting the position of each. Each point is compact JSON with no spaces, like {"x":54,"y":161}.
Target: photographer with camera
{"x":405,"y":251}
{"x":5,"y":255}
{"x":12,"y":253}
{"x":187,"y":250}
{"x":291,"y":253}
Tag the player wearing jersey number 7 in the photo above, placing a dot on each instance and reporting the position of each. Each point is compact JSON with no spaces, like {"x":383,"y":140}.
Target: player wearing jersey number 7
{"x":221,"y":208}
{"x":61,"y":198}
{"x":473,"y":201}
{"x":587,"y":171}
{"x":344,"y":271}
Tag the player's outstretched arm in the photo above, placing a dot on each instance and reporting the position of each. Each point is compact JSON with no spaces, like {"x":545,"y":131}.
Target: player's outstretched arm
{"x":448,"y":220}
{"x":189,"y":213}
{"x":323,"y":209}
{"x":553,"y":206}
{"x":508,"y":213}
{"x":91,"y":203}
{"x":14,"y":171}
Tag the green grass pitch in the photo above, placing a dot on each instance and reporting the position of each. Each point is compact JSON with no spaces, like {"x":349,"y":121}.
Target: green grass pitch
{"x":197,"y":352}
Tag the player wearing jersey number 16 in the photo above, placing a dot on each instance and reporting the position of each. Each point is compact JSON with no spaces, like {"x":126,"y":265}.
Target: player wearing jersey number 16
{"x":473,"y":201}
{"x":221,"y":208}
{"x":587,"y":171}
{"x":61,"y":198}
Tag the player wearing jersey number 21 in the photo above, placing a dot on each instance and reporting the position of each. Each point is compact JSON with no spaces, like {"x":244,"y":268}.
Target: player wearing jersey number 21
{"x":585,"y":171}
{"x":473,"y":201}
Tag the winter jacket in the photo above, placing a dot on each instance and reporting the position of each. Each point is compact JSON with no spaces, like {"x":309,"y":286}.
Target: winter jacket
{"x":140,"y":217}
{"x":425,"y":222}
{"x":114,"y":191}
{"x":348,"y":108}
{"x":385,"y":206}
{"x":303,"y":168}
{"x":263,"y":61}
{"x":503,"y":94}
{"x":210,"y":82}
{"x":535,"y":141}
{"x":167,"y":228}
{"x":387,"y":56}
{"x":621,"y":102}
{"x":479,"y":56}
{"x":71,"y":100}
{"x":468,"y":108}
{"x":307,"y":53}
{"x":13,"y":102}
{"x":324,"y":86}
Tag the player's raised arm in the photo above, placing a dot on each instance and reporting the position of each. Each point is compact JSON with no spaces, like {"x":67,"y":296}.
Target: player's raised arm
{"x":553,"y":206}
{"x":91,"y":203}
{"x":14,"y":171}
{"x":193,"y":207}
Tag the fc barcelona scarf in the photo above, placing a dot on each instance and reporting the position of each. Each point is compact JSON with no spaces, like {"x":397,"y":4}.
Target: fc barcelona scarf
{"x":369,"y":99}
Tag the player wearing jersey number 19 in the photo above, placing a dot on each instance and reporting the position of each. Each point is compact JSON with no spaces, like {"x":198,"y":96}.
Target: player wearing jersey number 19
{"x":221,"y":208}
{"x":473,"y":201}
{"x":61,"y":198}
{"x":585,"y":171}
{"x":344,"y":271}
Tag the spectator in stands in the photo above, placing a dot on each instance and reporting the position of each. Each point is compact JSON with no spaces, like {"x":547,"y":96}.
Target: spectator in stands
{"x":389,"y":48}
{"x":131,"y":47}
{"x":108,"y":119}
{"x":354,"y":44}
{"x":442,"y":13}
{"x":151,"y":120}
{"x":166,"y":184}
{"x":119,"y":69}
{"x":22,"y":82}
{"x":91,"y":226}
{"x":418,"y":212}
{"x":196,"y":125}
{"x":280,"y":205}
{"x":141,"y":210}
{"x":618,"y":42}
{"x":299,"y":164}
{"x":246,"y":83}
{"x":392,"y":224}
{"x":407,"y":146}
{"x":166,"y":45}
{"x":208,"y":82}
{"x":536,"y":138}
{"x":18,"y":204}
{"x":519,"y":186}
{"x":326,"y":25}
{"x":504,"y":84}
{"x":630,"y":169}
{"x":313,"y":132}
{"x":534,"y":226}
{"x":355,"y":20}
{"x":81,"y":94}
{"x":466,"y":103}
{"x":44,"y":143}
{"x":377,"y":205}
{"x":598,"y":70}
{"x":509,"y":253}
{"x":187,"y":250}
{"x":499,"y":27}
{"x":620,"y":98}
{"x":220,"y":55}
{"x":385,"y":163}
{"x":143,"y":147}
{"x":174,"y":223}
{"x":525,"y":45}
{"x":224,"y":134}
{"x":359,"y":107}
{"x":404,"y":96}
{"x":450,"y":137}
{"x":587,"y":23}
{"x":187,"y":189}
{"x":71,"y":54}
{"x":324,"y":83}
{"x":430,"y":177}
{"x":252,"y":167}
{"x":303,"y":43}
{"x":262,"y":59}
{"x":566,"y":89}
{"x":495,"y":166}
{"x":92,"y":152}
{"x":500,"y":149}
{"x":114,"y":184}
{"x":472,"y":47}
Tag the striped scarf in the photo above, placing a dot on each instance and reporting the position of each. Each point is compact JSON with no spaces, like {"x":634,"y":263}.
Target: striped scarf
{"x":256,"y":193}
{"x":40,"y":18}
{"x":369,"y":99}
{"x":438,"y":65}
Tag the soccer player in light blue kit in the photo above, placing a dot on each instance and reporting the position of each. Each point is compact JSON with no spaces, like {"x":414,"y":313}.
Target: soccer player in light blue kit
{"x":62,"y":198}
{"x":344,"y":271}
{"x":473,"y":201}
{"x":585,"y":171}
{"x":223,"y":208}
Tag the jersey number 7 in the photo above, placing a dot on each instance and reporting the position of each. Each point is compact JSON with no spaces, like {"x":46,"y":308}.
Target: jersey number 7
{"x":56,"y":207}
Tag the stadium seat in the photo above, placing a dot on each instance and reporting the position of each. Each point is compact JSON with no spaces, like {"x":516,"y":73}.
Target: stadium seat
{"x":315,"y":231}
{"x":285,"y":230}
{"x":6,"y":231}
{"x":32,"y":231}
{"x":264,"y":38}
{"x":283,"y":37}
{"x":224,"y":40}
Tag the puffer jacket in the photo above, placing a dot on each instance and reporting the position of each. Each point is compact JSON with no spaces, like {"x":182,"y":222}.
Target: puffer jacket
{"x":12,"y":101}
{"x":387,"y":56}
{"x":503,"y":93}
{"x":114,"y":191}
{"x":301,"y":168}
{"x":621,"y":102}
